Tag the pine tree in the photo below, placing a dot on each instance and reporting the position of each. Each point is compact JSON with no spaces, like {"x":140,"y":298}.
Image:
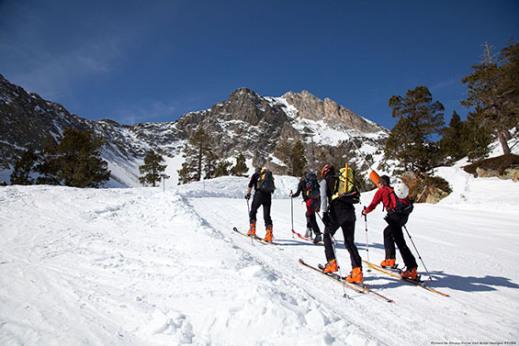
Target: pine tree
{"x":222,"y":168}
{"x":298,"y":159}
{"x":210,"y":163}
{"x":49,"y":165}
{"x":451,"y":144}
{"x":185,"y":174}
{"x":420,"y":118}
{"x":493,"y":88}
{"x":151,"y":169}
{"x":194,"y":153}
{"x":283,"y":152}
{"x":476,"y":138}
{"x":23,"y":168}
{"x":240,"y":168}
{"x":75,"y":161}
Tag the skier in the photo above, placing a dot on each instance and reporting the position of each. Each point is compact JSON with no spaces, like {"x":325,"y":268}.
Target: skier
{"x":398,"y":210}
{"x":338,"y":211}
{"x":308,"y":187}
{"x":263,"y":183}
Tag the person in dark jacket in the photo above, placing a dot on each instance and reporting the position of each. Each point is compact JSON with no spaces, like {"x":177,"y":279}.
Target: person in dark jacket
{"x":263,"y":190}
{"x":393,"y":232}
{"x":339,"y":212}
{"x":312,"y":207}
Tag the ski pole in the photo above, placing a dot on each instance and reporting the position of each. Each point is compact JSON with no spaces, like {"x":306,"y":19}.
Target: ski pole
{"x":292,"y":212}
{"x":420,"y":257}
{"x":367,"y":242}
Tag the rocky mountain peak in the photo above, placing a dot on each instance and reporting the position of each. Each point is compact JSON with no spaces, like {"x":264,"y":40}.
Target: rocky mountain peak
{"x":311,"y":107}
{"x":243,"y":93}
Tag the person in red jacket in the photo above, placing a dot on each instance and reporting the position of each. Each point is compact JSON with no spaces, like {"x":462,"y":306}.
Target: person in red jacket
{"x":397,"y":214}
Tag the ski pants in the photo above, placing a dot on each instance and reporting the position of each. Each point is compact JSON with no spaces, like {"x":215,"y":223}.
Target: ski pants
{"x":393,"y":234}
{"x":261,"y":199}
{"x":348,"y":230}
{"x":311,"y":220}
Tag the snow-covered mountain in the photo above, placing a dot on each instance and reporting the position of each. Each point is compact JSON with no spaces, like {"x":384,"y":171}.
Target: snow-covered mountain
{"x":245,"y":123}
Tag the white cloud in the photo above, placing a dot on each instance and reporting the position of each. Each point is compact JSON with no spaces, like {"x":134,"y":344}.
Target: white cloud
{"x":146,"y":112}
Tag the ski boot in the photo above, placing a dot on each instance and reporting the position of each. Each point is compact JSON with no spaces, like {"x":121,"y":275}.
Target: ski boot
{"x":268,"y":235}
{"x":410,"y":274}
{"x":330,"y":267}
{"x":356,"y":276}
{"x":252,"y":230}
{"x":318,"y":238}
{"x":388,"y":263}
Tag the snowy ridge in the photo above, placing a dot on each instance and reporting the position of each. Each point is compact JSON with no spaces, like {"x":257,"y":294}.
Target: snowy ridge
{"x":234,"y":187}
{"x":469,"y":192}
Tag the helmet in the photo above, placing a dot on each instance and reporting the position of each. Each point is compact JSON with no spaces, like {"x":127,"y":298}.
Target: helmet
{"x":326,"y":169}
{"x":401,"y":189}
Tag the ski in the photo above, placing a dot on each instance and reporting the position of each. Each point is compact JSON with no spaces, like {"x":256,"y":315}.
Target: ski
{"x":258,"y":239}
{"x":356,"y":287}
{"x":395,"y":274}
{"x":308,"y":240}
{"x":300,"y":236}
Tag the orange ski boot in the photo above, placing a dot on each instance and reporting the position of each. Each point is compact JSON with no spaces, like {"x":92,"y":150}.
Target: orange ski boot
{"x":331,"y":267}
{"x":356,"y":276}
{"x":388,"y":263}
{"x":252,"y":230}
{"x":268,"y":236}
{"x":409,"y":274}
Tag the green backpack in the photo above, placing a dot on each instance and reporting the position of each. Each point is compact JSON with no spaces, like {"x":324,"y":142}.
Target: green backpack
{"x":345,"y":186}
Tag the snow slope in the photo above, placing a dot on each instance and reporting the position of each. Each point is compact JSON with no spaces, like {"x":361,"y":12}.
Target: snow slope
{"x":145,"y":267}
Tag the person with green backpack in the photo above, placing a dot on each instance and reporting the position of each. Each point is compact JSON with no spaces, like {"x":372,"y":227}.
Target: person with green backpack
{"x":338,"y":195}
{"x":308,"y":187}
{"x":263,"y":183}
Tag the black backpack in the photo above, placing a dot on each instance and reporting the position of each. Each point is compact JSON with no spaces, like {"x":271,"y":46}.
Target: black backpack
{"x":266,"y":182}
{"x":312,"y":186}
{"x":400,"y":214}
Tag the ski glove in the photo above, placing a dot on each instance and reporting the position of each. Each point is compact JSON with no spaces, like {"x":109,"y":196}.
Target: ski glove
{"x":247,"y":196}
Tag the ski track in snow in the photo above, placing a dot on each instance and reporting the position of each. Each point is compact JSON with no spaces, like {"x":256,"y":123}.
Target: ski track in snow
{"x":141,"y":266}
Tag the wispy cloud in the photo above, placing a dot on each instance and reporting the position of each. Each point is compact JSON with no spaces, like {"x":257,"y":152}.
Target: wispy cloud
{"x":50,"y":47}
{"x":53,"y":74}
{"x":446,"y":83}
{"x":149,"y":111}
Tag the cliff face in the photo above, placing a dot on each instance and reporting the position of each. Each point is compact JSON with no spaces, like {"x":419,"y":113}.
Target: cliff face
{"x":257,"y":126}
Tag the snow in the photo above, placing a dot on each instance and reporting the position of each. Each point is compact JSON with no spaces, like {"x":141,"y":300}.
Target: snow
{"x":144,"y":267}
{"x":234,"y":187}
{"x":174,"y":164}
{"x":320,"y":132}
{"x":478,"y":193}
{"x":290,"y":110}
{"x":274,"y":159}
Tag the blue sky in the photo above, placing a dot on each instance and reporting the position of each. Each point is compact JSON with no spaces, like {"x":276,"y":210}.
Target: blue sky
{"x":135,"y":61}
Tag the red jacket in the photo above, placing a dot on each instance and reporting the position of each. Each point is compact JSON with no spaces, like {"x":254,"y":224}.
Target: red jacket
{"x":388,"y":198}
